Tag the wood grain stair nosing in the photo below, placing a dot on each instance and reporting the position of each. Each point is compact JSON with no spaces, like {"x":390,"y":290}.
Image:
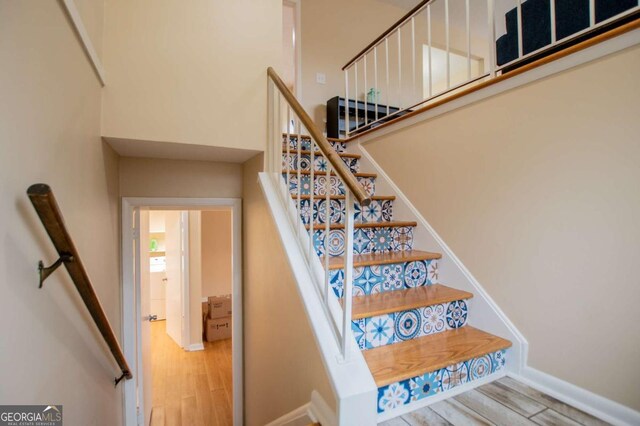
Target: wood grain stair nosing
{"x":402,"y":300}
{"x":390,"y":224}
{"x":342,"y":197}
{"x":307,"y":152}
{"x":400,"y":361}
{"x":294,"y":172}
{"x":369,"y":259}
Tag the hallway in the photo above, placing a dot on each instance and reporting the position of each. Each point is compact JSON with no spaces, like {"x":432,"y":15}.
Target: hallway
{"x":190,"y":388}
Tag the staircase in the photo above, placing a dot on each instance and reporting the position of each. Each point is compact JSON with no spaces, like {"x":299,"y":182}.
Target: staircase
{"x":411,"y":329}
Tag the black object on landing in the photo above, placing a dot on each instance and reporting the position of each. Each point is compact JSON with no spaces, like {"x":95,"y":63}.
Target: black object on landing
{"x":572,"y":16}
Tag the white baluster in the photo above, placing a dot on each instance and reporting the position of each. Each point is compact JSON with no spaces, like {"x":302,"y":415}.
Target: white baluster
{"x":375,"y":78}
{"x":592,"y":13}
{"x":312,"y":169}
{"x":327,"y":228}
{"x":366,"y":103}
{"x":288,"y":150}
{"x":299,"y":147}
{"x":347,"y":295}
{"x":400,"y":67}
{"x":386,"y":53}
{"x":520,"y":44}
{"x":448,"y":42}
{"x":492,"y":37}
{"x":552,"y":10}
{"x":277,"y":159}
{"x":346,"y":104}
{"x":466,"y":6}
{"x":429,"y":49}
{"x":413,"y":58}
{"x":355,"y":97}
{"x":268,"y":163}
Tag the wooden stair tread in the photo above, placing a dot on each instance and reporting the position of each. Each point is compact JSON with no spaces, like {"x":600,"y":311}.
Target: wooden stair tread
{"x":342,"y":197}
{"x":411,"y":358}
{"x":402,"y":300}
{"x":337,"y":262}
{"x":305,"y":152}
{"x":390,"y":224}
{"x":307,"y":172}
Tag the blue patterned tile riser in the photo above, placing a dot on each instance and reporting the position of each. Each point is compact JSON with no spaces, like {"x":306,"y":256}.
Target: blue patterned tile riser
{"x":340,"y":147}
{"x":396,"y":327}
{"x":381,"y":278}
{"x":319,"y":162}
{"x":377,"y":211}
{"x":401,"y":393}
{"x":366,"y":240}
{"x":320,"y":181}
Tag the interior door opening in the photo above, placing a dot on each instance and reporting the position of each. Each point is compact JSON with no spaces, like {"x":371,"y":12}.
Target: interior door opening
{"x":185,"y":269}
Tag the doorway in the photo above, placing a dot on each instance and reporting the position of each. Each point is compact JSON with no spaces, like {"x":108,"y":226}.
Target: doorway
{"x":188,"y":356}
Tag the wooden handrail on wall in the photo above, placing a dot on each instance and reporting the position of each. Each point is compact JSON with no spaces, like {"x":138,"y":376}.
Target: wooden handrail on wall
{"x":47,"y":209}
{"x":330,"y":154}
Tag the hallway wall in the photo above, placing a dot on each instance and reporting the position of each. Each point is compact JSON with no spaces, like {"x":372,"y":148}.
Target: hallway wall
{"x":51,"y":352}
{"x":282,"y":362}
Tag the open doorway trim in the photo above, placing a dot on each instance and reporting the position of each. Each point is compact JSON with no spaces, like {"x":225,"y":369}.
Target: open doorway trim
{"x":130,"y":304}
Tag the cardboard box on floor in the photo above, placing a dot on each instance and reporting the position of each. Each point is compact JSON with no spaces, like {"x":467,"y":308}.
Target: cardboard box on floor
{"x":218,"y":329}
{"x":219,"y":306}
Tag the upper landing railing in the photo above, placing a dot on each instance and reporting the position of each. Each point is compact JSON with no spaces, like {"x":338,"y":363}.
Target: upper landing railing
{"x":443,"y":47}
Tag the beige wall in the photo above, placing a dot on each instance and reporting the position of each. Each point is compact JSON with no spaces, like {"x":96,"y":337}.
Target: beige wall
{"x":50,"y":132}
{"x":282,"y":363}
{"x":216,"y":253}
{"x":146,"y":177}
{"x":536,"y":190}
{"x":192,"y":74}
{"x":330,"y":39}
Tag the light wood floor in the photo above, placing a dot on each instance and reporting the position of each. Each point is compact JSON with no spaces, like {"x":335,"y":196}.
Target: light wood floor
{"x":190,"y":388}
{"x":503,"y":402}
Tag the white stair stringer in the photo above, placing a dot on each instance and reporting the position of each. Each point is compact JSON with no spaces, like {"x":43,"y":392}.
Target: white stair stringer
{"x":352,"y":382}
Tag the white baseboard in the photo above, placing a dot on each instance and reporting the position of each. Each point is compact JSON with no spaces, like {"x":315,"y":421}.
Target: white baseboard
{"x":580,"y":398}
{"x":317,"y":410}
{"x":320,"y":411}
{"x":196,"y":347}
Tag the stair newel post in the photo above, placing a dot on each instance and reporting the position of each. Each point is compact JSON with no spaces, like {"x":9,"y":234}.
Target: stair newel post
{"x":347,"y":294}
{"x":327,"y":228}
{"x":312,"y":148}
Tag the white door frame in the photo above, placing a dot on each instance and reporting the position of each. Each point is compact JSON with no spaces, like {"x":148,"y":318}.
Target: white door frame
{"x":130,"y":317}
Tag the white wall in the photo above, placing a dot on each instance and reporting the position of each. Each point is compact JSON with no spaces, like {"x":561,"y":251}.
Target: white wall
{"x":50,"y":132}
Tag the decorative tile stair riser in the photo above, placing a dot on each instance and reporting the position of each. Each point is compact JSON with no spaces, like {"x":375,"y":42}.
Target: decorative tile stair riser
{"x":320,"y":163}
{"x":320,"y":182}
{"x":380,"y":278}
{"x":366,"y":240}
{"x":340,"y":147}
{"x":417,"y":388}
{"x":377,"y":211}
{"x":396,"y":327}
